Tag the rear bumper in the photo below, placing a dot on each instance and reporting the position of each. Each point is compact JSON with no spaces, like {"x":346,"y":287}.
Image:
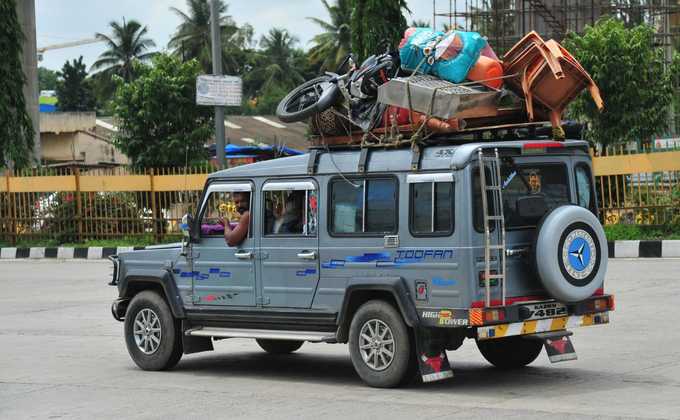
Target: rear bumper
{"x":517,"y":319}
{"x":541,"y":325}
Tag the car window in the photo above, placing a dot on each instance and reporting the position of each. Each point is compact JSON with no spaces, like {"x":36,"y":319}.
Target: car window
{"x":219,"y":206}
{"x":432,"y":208}
{"x":363,"y":206}
{"x":289,"y":212}
{"x":584,"y":187}
{"x":549,"y":181}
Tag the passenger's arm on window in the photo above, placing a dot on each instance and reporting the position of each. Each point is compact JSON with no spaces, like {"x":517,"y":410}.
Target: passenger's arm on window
{"x":235,"y":236}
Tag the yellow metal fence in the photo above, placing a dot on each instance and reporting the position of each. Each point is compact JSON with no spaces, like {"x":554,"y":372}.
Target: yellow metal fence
{"x":72,"y":205}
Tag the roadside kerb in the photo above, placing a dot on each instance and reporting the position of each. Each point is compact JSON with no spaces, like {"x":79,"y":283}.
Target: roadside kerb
{"x":617,"y":249}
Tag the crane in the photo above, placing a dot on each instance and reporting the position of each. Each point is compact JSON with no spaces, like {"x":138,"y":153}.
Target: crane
{"x":69,"y":44}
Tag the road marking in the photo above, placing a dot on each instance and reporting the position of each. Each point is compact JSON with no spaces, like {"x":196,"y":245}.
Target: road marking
{"x":269,"y":122}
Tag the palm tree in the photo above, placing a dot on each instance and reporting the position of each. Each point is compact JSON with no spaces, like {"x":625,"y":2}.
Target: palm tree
{"x":126,"y":44}
{"x":334,"y":43}
{"x":192,"y":39}
{"x":278,"y":46}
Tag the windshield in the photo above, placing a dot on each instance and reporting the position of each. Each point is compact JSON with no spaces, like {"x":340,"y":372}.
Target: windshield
{"x":549,"y":181}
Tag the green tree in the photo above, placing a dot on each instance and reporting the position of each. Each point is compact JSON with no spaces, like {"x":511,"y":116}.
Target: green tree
{"x":47,"y":79}
{"x":74,"y":91}
{"x":192,"y":39}
{"x":334,"y":43}
{"x":126,"y":44}
{"x":16,"y":128}
{"x":159,"y":121}
{"x":278,"y":46}
{"x":376,"y":22}
{"x":635,"y":84}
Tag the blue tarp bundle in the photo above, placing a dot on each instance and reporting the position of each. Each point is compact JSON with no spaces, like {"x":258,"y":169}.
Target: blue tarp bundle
{"x":451,"y":55}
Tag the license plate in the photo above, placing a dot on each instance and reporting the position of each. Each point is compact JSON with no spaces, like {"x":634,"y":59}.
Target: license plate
{"x":546,"y":310}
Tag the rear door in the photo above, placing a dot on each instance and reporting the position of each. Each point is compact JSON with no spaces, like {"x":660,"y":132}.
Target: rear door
{"x":545,"y":176}
{"x":289,"y":245}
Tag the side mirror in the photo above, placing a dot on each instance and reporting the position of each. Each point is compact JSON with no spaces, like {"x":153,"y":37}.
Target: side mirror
{"x":186,"y":227}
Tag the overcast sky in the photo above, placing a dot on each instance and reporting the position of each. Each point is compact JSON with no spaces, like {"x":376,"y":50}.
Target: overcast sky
{"x":61,"y":21}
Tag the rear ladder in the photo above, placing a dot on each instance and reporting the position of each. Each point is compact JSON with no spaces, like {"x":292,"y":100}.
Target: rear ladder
{"x":494,"y":222}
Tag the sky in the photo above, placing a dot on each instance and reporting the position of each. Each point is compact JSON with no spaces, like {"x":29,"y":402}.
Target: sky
{"x":59,"y":21}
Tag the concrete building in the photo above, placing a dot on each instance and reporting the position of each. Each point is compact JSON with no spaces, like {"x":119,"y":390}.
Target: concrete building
{"x":70,"y":138}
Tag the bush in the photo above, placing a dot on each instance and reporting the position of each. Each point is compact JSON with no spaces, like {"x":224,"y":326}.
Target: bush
{"x":110,"y":214}
{"x":623,"y":232}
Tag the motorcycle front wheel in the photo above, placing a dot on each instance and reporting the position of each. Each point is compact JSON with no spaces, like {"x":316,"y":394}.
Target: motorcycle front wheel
{"x":309,"y":98}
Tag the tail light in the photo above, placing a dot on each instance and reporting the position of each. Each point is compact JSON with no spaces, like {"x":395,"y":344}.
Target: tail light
{"x":601,"y":304}
{"x":479,"y":316}
{"x":494,"y":315}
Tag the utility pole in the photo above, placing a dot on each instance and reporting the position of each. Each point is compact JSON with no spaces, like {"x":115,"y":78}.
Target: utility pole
{"x":217,"y":71}
{"x":29,"y":63}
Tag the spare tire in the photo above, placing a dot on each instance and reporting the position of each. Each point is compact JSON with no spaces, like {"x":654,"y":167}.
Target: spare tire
{"x":570,"y":253}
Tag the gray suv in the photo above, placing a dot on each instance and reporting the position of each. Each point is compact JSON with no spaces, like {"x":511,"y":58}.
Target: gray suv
{"x":401,"y":253}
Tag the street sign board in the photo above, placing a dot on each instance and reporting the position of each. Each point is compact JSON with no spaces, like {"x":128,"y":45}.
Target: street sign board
{"x":218,"y":90}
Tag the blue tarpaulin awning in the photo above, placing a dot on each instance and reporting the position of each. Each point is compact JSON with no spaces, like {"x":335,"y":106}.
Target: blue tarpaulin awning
{"x":232,"y":151}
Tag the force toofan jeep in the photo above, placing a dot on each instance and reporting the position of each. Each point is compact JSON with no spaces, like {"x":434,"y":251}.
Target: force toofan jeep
{"x":402,"y":254}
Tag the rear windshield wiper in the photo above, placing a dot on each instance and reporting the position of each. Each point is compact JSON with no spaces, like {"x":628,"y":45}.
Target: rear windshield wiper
{"x":510,"y":162}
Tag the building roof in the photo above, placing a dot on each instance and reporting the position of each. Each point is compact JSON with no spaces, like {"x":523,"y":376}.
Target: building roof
{"x":245,"y":130}
{"x":255,"y":129}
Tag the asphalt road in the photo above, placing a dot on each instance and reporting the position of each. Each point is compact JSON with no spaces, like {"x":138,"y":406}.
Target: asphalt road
{"x":62,"y":356}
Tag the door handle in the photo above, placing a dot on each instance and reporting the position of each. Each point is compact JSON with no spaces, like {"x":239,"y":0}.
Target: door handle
{"x":243,"y":255}
{"x":307,"y":255}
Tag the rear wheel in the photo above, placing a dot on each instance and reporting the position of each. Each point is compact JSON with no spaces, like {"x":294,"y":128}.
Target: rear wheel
{"x":379,"y":345}
{"x":511,"y":352}
{"x":152,"y":334}
{"x":279,"y":346}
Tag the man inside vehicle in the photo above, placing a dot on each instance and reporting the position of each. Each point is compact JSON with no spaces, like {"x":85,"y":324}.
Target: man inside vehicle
{"x":236,"y":235}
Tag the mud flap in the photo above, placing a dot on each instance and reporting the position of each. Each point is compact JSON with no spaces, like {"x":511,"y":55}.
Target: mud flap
{"x":432,"y":360}
{"x":558,"y":346}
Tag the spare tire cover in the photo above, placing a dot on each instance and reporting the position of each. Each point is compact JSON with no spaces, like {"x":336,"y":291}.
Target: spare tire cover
{"x":571,"y":253}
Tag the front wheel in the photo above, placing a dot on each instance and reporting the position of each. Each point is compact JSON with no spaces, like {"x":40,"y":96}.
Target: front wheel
{"x":379,"y":345}
{"x":511,"y":352}
{"x":309,"y":98}
{"x":152,"y":335}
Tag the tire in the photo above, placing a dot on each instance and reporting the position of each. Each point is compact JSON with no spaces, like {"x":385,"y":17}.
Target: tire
{"x":378,"y":314}
{"x":150,"y":306}
{"x":290,"y":110}
{"x":570,"y":253}
{"x":511,"y":352}
{"x":279,"y":346}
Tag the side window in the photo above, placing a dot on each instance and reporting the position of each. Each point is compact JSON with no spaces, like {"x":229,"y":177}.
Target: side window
{"x":221,"y":207}
{"x":290,"y":212}
{"x":584,"y":187}
{"x":432,"y":209}
{"x":363,"y":206}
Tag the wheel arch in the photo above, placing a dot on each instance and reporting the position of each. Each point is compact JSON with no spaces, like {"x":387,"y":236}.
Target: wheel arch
{"x":161,"y":282}
{"x":361,"y":290}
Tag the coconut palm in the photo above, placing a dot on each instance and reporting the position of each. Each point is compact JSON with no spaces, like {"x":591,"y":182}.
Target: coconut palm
{"x":332,"y":45}
{"x":192,"y":39}
{"x":278,"y":46}
{"x":127,"y":43}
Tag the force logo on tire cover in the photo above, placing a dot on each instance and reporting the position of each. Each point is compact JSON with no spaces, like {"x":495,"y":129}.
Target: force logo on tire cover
{"x":579,"y":254}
